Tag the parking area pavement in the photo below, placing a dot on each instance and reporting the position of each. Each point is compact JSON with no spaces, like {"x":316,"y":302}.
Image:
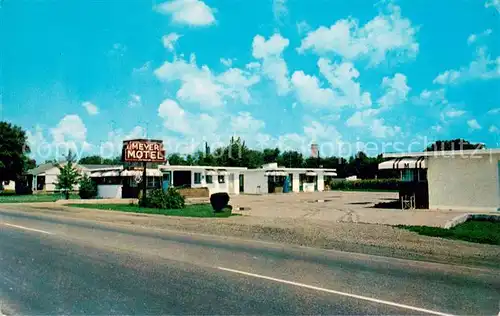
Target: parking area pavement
{"x":339,"y":206}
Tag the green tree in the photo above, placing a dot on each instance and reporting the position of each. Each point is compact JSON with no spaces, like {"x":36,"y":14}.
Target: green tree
{"x":270,"y":155}
{"x":291,"y":159}
{"x":454,"y":144}
{"x":176,"y":159}
{"x":13,"y":152}
{"x":87,"y":188}
{"x":68,"y":175}
{"x":91,"y":160}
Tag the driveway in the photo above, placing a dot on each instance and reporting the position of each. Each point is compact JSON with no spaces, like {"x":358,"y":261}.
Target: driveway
{"x":338,"y":206}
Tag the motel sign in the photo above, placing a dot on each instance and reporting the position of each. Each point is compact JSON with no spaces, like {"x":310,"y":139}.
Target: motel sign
{"x":143,"y":150}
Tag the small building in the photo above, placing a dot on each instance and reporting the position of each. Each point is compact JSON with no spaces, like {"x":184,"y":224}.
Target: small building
{"x":44,"y":177}
{"x":466,"y":180}
{"x":216,"y":179}
{"x":271,"y":179}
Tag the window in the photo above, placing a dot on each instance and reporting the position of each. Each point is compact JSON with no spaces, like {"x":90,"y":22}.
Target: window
{"x":209,"y":179}
{"x":197,"y":178}
{"x":408,"y":175}
{"x":221,"y":179}
{"x":153,"y":182}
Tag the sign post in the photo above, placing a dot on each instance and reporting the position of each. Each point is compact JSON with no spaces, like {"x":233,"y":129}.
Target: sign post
{"x":143,"y":150}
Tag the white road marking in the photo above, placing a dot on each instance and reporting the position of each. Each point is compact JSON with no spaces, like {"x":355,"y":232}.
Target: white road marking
{"x":27,"y":228}
{"x":360,"y":297}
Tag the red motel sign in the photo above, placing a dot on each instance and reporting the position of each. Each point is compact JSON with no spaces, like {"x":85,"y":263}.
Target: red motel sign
{"x":143,"y":150}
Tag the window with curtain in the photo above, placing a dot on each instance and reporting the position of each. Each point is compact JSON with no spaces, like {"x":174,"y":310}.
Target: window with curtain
{"x":197,"y":178}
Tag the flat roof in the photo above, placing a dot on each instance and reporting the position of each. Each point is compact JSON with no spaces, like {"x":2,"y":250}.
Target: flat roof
{"x":184,"y":167}
{"x":445,"y":153}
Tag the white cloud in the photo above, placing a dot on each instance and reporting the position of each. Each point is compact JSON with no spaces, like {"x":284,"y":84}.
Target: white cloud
{"x":316,"y":131}
{"x":342,"y":78}
{"x":244,"y":122}
{"x":483,"y":68}
{"x":310,"y":92}
{"x":113,"y":145}
{"x":454,"y":113}
{"x":368,"y":119}
{"x":144,"y":68}
{"x":188,"y":12}
{"x":118,"y":50}
{"x":473,"y":124}
{"x":431,"y":98}
{"x":303,"y":27}
{"x":437,"y":128}
{"x":493,"y":129}
{"x":280,"y":10}
{"x":385,"y":34}
{"x":494,"y":111}
{"x":396,"y":90}
{"x":69,"y":134}
{"x":200,"y":86}
{"x":134,"y":101}
{"x":91,"y":108}
{"x":180,"y":121}
{"x":170,"y":40}
{"x":273,"y":64}
{"x":228,"y":62}
{"x":493,"y":3}
{"x":474,"y":37}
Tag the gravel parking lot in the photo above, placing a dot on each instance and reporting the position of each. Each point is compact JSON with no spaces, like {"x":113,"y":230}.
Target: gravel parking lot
{"x":339,"y":206}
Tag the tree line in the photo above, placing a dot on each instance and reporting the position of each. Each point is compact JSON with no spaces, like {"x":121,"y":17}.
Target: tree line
{"x":15,"y":157}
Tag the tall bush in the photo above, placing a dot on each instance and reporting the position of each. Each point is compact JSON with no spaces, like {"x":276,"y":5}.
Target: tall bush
{"x":87,"y":188}
{"x":171,"y":199}
{"x":373,"y":184}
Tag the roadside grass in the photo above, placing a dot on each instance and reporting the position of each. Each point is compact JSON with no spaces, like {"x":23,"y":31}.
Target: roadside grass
{"x":195,"y":210}
{"x":31,"y":198}
{"x":478,"y":231}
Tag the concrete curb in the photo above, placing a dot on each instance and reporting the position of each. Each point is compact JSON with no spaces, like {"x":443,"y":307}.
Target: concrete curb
{"x":465,"y":217}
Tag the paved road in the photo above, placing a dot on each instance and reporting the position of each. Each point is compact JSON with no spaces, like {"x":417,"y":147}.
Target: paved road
{"x":70,"y":267}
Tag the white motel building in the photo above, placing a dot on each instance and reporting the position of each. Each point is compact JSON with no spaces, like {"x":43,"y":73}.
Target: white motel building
{"x":467,"y":180}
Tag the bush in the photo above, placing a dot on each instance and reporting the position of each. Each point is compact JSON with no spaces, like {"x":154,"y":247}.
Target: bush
{"x":88,"y":188}
{"x":373,"y":184}
{"x":171,"y":199}
{"x":219,"y":201}
{"x":22,"y":188}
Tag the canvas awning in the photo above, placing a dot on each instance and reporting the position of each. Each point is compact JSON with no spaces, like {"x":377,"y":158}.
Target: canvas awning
{"x":97,"y":174}
{"x":275,"y":173}
{"x":330,"y":173}
{"x":222,"y":172}
{"x":112,"y":173}
{"x":149,"y":173}
{"x":311,"y":173}
{"x":404,"y":163}
{"x":211,"y":172}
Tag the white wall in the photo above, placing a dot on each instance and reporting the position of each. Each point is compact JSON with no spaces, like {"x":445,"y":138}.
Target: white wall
{"x":296,"y":182}
{"x":109,"y":191}
{"x":51,"y":179}
{"x":321,"y":182}
{"x":232,"y":183}
{"x":464,"y":183}
{"x":253,"y":179}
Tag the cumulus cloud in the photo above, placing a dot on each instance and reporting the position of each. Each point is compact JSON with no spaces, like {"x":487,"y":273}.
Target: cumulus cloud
{"x":431,"y":98}
{"x":188,"y":12}
{"x":310,"y":92}
{"x":396,"y":90}
{"x":273,"y":65}
{"x":201,"y":86}
{"x":91,"y":108}
{"x":481,"y":68}
{"x":280,"y":10}
{"x":474,"y":37}
{"x":473,"y":124}
{"x":493,"y":129}
{"x":369,"y":119}
{"x":387,"y":33}
{"x":170,"y":40}
{"x":494,"y":111}
{"x":495,"y":4}
{"x":134,"y":101}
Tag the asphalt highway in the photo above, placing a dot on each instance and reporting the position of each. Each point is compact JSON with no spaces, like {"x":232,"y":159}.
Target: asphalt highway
{"x":75,"y":267}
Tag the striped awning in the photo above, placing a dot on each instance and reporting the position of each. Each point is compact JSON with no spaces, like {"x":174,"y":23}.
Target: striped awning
{"x":149,"y":173}
{"x":210,"y":172}
{"x":404,"y":163}
{"x":275,"y":173}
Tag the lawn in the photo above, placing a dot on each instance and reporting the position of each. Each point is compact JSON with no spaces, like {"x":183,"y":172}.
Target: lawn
{"x":478,"y":231}
{"x":29,"y":198}
{"x":195,"y":210}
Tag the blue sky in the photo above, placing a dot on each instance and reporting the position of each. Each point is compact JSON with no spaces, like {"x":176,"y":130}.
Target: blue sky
{"x":88,"y":74}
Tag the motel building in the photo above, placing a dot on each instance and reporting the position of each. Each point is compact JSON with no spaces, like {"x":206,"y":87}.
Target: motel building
{"x":467,"y":180}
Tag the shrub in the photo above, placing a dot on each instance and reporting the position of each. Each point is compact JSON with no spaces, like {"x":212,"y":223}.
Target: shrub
{"x":219,"y":201}
{"x":22,"y":188}
{"x":372,"y":184}
{"x":88,"y":189}
{"x":171,"y":199}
